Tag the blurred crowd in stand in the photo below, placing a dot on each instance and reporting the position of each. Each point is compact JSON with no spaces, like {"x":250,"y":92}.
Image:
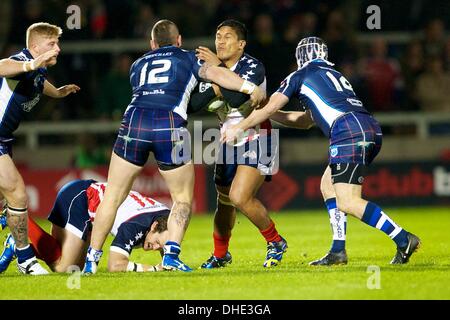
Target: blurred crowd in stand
{"x":409,"y":73}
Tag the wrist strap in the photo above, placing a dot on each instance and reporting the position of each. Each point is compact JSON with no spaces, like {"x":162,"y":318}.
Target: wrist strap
{"x":28,"y":63}
{"x":247,"y":87}
{"x":152,"y":269}
{"x":134,"y":267}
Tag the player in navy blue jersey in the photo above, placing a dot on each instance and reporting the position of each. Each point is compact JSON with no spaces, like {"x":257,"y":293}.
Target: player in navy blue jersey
{"x":22,"y":82}
{"x":355,"y":140}
{"x":155,"y":121}
{"x":238,"y":175}
{"x":141,"y":222}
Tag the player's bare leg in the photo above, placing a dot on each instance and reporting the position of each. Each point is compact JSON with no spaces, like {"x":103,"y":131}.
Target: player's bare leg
{"x":338,"y":222}
{"x":12,"y":187}
{"x":225,"y":214}
{"x":326,"y":187}
{"x":350,"y":201}
{"x":180,"y":182}
{"x":244,"y":187}
{"x":121,"y":176}
{"x":224,"y":220}
{"x":73,"y":250}
{"x":243,"y":191}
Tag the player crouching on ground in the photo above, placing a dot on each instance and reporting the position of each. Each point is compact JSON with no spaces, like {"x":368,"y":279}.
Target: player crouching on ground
{"x":140,"y":222}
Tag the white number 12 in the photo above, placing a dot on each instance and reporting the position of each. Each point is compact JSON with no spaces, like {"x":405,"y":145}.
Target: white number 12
{"x":152,"y":76}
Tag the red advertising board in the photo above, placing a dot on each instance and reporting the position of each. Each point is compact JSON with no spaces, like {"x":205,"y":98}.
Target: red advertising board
{"x":43,"y":185}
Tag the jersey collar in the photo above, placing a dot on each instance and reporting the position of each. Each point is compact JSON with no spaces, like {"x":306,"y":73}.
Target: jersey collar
{"x":317,"y":60}
{"x":27,"y":53}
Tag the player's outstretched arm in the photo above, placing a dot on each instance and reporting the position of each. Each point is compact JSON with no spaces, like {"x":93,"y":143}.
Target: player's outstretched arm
{"x":61,"y":92}
{"x":276,"y":102}
{"x":293,"y":119}
{"x":10,"y":68}
{"x":230,"y":80}
{"x":120,"y":263}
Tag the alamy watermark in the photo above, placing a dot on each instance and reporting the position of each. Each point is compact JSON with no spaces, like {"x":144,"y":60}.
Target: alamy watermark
{"x":374,"y":280}
{"x":373,"y":22}
{"x":74,"y":280}
{"x":74,"y":19}
{"x":255,"y":148}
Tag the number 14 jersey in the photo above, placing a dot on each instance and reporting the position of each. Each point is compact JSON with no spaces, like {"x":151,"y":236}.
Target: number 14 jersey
{"x":324,"y":91}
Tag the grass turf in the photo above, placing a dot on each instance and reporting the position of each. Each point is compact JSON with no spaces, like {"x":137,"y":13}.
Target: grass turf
{"x":427,"y":275}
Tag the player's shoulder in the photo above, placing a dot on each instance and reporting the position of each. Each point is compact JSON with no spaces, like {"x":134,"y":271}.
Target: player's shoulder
{"x":250,"y":61}
{"x":23,"y":55}
{"x":138,"y":60}
{"x":318,"y":64}
{"x":296,"y":75}
{"x":176,"y":52}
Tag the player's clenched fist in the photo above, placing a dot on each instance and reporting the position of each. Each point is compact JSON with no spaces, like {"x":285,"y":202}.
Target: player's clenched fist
{"x":257,"y":96}
{"x":46,"y":59}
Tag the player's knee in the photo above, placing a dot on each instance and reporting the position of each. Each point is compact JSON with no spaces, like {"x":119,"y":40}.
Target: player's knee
{"x":116,"y":267}
{"x":17,"y":197}
{"x":239,"y":199}
{"x":345,"y":203}
{"x":64,"y":267}
{"x":326,"y":189}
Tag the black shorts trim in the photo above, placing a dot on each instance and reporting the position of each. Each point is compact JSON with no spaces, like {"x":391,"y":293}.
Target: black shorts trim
{"x":169,"y":166}
{"x":351,"y":173}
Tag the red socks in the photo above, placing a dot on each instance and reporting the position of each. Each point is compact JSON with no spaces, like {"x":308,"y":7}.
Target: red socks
{"x":220,"y":245}
{"x":45,"y":246}
{"x":271,"y":233}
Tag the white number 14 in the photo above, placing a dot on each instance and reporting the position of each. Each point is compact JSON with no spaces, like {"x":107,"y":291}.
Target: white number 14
{"x":342,"y":81}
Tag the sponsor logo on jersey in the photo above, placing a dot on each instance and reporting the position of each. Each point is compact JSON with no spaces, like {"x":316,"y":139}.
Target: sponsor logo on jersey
{"x":203,"y":86}
{"x":334,"y":152}
{"x":27,"y":106}
{"x":156,"y":91}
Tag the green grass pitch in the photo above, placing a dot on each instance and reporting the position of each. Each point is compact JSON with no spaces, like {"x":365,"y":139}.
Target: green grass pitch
{"x":427,"y":275}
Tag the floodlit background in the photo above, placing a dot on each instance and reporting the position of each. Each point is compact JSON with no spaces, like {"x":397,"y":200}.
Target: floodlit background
{"x":400,"y":72}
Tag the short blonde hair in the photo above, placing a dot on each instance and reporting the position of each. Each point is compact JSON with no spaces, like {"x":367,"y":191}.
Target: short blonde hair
{"x":44,"y":29}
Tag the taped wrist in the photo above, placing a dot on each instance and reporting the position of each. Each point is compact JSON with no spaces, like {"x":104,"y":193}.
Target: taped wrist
{"x":134,"y":267}
{"x":247,"y":87}
{"x":28,"y":66}
{"x":152,"y":269}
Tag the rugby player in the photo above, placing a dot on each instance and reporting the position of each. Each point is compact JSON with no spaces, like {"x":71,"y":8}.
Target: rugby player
{"x":22,"y":82}
{"x":238,"y":175}
{"x":155,"y":121}
{"x":141,"y":222}
{"x":355,"y":140}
